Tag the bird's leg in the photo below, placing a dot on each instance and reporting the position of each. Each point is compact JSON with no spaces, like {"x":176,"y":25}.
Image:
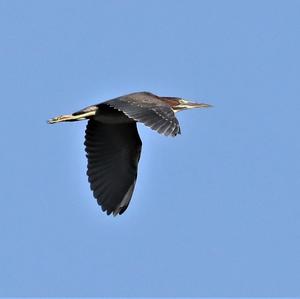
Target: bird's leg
{"x":71,"y":117}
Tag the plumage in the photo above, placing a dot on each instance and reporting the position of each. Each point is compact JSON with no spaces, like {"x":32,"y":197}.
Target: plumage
{"x":141,"y":109}
{"x":113,"y":145}
{"x":112,"y":166}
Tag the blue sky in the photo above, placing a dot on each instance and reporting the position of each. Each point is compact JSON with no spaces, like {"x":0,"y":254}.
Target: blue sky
{"x":215,"y":211}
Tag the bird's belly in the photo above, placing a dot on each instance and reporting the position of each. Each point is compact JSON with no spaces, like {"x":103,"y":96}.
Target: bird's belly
{"x":110,"y":115}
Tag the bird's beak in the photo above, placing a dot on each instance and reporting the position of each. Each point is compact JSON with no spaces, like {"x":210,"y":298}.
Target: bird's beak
{"x":184,"y":104}
{"x":191,"y":105}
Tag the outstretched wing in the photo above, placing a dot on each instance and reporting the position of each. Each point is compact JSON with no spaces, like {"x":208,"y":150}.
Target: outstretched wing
{"x":147,"y":109}
{"x":113,"y":152}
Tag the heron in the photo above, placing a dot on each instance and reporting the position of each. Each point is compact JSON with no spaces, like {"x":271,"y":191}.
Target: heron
{"x":113,"y":145}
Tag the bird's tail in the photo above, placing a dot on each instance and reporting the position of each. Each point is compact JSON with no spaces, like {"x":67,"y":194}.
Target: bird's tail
{"x":80,"y":115}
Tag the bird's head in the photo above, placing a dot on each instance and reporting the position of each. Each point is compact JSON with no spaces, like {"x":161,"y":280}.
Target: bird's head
{"x":179,"y":104}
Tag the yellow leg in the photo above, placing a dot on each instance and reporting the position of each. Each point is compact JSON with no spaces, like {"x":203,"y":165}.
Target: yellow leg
{"x":70,"y":117}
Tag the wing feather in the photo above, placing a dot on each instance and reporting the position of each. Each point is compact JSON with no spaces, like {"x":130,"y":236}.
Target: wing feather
{"x":153,"y":113}
{"x":113,"y":152}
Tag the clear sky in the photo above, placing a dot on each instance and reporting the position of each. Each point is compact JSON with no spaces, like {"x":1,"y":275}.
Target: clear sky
{"x":215,"y":211}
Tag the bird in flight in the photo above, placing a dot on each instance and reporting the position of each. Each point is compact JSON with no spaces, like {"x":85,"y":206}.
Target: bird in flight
{"x":112,"y":143}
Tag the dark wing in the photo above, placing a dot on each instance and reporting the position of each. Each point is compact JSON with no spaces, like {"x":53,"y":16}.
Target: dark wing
{"x":113,"y":152}
{"x":153,"y":113}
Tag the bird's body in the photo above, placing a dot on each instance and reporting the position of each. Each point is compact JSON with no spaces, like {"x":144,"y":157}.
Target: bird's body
{"x":113,"y":145}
